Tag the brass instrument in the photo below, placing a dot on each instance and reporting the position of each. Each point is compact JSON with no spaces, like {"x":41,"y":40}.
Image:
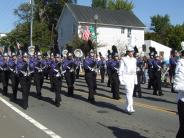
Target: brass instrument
{"x":64,"y":52}
{"x":31,"y":50}
{"x":78,"y":53}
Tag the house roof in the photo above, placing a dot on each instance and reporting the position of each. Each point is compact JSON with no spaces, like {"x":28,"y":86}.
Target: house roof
{"x":84,"y":14}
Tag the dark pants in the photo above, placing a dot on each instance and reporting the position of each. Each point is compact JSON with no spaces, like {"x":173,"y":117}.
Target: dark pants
{"x":90,"y":77}
{"x":0,"y":75}
{"x":70,"y":79}
{"x":171,"y":76}
{"x":38,"y":78}
{"x":46,"y":73}
{"x":5,"y":78}
{"x":109,"y":78}
{"x":151,"y":79}
{"x":157,"y":83}
{"x":180,"y":133}
{"x":102,"y":74}
{"x":57,"y":81}
{"x":52,"y":83}
{"x":115,"y":85}
{"x":25,"y":83}
{"x":77,"y":72}
{"x":15,"y":83}
{"x":137,"y":88}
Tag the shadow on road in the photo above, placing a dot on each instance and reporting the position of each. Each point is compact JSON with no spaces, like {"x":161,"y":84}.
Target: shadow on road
{"x":159,"y":100}
{"x":110,"y":106}
{"x":45,"y":99}
{"x":123,"y":133}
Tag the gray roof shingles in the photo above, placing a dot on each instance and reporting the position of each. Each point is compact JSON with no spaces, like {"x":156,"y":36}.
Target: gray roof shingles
{"x":105,"y":16}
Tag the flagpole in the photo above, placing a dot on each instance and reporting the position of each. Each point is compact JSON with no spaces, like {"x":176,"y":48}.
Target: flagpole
{"x":31,"y":24}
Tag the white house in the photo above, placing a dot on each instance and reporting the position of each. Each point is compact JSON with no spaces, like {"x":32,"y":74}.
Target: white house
{"x":120,"y":28}
{"x":161,"y":49}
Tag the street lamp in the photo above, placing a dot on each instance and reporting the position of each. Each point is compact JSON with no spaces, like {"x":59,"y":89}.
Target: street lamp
{"x":96,"y":19}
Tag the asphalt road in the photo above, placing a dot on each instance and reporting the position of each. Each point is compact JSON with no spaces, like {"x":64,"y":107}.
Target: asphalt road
{"x":155,"y":116}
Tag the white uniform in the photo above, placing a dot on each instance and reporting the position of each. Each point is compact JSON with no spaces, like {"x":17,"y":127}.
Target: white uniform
{"x":128,"y":77}
{"x":179,"y":79}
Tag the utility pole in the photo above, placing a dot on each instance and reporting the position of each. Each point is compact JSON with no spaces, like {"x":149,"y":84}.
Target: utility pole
{"x":31,"y":24}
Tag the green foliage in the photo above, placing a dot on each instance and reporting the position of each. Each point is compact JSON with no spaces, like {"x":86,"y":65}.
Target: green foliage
{"x":113,"y":4}
{"x":45,"y":19}
{"x":23,"y":12}
{"x":165,"y":33}
{"x":99,"y":3}
{"x":120,"y":4}
{"x":176,"y":36}
{"x":160,"y":24}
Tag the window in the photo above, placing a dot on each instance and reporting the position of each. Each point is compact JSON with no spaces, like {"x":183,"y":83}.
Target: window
{"x":122,"y":30}
{"x":129,"y":32}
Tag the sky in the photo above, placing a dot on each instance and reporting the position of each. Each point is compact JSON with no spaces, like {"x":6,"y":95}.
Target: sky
{"x":143,"y":9}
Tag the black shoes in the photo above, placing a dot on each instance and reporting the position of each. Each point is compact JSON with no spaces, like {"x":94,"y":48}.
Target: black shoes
{"x":57,"y":104}
{"x":92,"y":101}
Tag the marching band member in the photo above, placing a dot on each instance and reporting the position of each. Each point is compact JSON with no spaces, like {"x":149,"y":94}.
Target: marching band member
{"x":108,"y":62}
{"x":157,"y":66}
{"x":69,"y":68}
{"x":128,"y":77}
{"x":102,"y":65}
{"x":90,"y":75}
{"x":114,"y":67}
{"x":137,"y":87}
{"x":26,"y":70}
{"x":39,"y":68}
{"x":78,"y":66}
{"x":56,"y":76}
{"x":172,"y":67}
{"x":150,"y":67}
{"x":50,"y":61}
{"x":4,"y":72}
{"x":14,"y":77}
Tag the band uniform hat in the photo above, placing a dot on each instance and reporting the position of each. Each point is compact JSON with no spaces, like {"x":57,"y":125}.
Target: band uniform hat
{"x":39,"y":53}
{"x":57,"y":55}
{"x":5,"y":54}
{"x":25,"y":54}
{"x":130,"y":49}
{"x":91,"y":51}
{"x":69,"y":54}
{"x":13,"y":54}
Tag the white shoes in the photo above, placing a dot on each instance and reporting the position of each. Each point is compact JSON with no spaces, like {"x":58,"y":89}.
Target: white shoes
{"x":130,"y":112}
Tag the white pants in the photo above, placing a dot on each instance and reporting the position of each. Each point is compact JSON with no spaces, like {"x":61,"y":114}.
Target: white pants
{"x":129,"y":89}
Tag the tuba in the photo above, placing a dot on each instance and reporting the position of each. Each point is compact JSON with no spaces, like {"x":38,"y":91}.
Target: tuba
{"x":31,"y":50}
{"x":64,"y":53}
{"x":78,"y":53}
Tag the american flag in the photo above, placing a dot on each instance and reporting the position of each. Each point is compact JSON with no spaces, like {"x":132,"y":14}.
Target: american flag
{"x":86,"y":34}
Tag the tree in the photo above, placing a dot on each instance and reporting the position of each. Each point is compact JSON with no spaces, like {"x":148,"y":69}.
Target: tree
{"x":23,"y":12}
{"x":99,"y":3}
{"x":120,"y":4}
{"x":160,"y":24}
{"x":113,"y":4}
{"x":45,"y":19}
{"x":165,"y":33}
{"x":176,"y":36}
